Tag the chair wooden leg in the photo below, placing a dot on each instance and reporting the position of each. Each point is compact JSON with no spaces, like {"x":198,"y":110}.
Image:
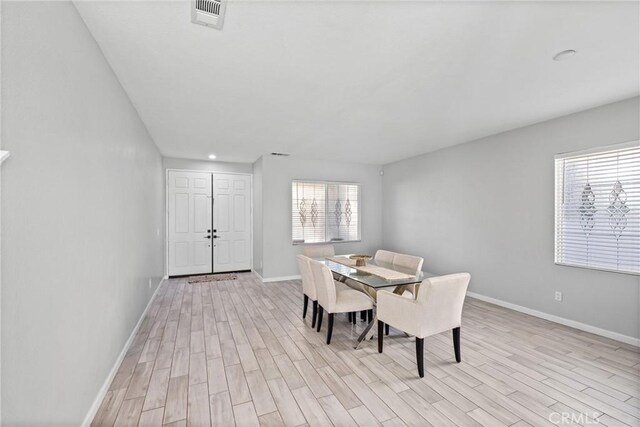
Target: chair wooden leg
{"x":456,"y":343}
{"x":353,"y":317}
{"x":380,"y":335}
{"x":305,"y":302}
{"x":320,"y":310}
{"x":386,"y":329}
{"x":314,"y":314}
{"x":330,"y":328}
{"x":369,"y":316}
{"x":420,"y":356}
{"x":363,"y":315}
{"x":349,"y":316}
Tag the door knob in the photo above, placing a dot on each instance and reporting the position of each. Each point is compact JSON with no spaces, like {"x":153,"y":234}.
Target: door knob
{"x":207,"y":237}
{"x":215,"y":237}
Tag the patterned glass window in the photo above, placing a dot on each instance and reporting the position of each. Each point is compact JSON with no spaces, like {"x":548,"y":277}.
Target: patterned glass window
{"x":597,"y":209}
{"x":325,"y":212}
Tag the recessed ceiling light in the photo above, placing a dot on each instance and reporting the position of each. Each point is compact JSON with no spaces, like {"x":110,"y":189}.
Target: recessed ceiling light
{"x":212,"y":156}
{"x":565,"y":54}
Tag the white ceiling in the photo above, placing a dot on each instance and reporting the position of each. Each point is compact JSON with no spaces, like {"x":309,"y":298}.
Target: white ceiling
{"x":372,"y":82}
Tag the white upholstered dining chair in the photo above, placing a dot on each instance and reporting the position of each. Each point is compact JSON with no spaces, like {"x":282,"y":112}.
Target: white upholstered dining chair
{"x":317,"y":251}
{"x":409,"y":262}
{"x":333,"y":298}
{"x":437,"y":308}
{"x":309,"y":291}
{"x":320,"y":251}
{"x":384,"y":256}
{"x":308,"y":288}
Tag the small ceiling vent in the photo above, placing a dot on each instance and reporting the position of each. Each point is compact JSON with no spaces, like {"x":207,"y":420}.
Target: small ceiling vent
{"x":280,"y":154}
{"x":208,"y":12}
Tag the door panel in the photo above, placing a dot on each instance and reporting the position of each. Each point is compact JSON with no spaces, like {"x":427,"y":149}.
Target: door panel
{"x":202,"y":213}
{"x":202,"y":257}
{"x":239,"y":212}
{"x":181,"y":182}
{"x":181,"y":257}
{"x":240,"y":249}
{"x":223,"y":212}
{"x":223,"y":257}
{"x":190,"y":252}
{"x":181,"y":211}
{"x":202,"y":183}
{"x":232,"y":222}
{"x":221,"y":183}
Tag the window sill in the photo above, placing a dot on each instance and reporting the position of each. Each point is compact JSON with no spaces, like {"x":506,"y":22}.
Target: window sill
{"x":608,"y":270}
{"x":325,"y":243}
{"x":4,"y":155}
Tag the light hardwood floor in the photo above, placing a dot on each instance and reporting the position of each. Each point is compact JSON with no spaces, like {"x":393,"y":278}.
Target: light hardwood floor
{"x":238,"y":352}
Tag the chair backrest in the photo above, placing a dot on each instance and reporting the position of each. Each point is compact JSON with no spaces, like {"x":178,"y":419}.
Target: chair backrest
{"x":410,"y":262}
{"x":325,"y":286}
{"x":441,"y":300}
{"x":308,"y":286}
{"x":384,"y":256}
{"x":317,"y":251}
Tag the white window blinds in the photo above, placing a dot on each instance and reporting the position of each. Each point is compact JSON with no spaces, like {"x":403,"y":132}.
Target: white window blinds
{"x":325,"y":212}
{"x":597,"y":209}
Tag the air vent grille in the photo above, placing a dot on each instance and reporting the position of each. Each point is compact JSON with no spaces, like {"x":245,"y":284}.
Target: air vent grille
{"x":208,"y":12}
{"x":280,"y":154}
{"x":211,"y":7}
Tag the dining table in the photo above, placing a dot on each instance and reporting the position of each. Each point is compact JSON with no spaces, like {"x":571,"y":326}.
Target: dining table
{"x":373,"y":276}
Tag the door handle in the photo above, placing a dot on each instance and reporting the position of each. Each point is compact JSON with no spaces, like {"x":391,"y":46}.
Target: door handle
{"x":216,"y":237}
{"x":207,"y":237}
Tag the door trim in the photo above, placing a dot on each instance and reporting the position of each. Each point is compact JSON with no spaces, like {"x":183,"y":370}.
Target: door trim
{"x":166,"y":211}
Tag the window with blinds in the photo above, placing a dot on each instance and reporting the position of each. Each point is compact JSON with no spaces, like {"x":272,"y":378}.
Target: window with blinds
{"x":597,"y":209}
{"x":325,"y":212}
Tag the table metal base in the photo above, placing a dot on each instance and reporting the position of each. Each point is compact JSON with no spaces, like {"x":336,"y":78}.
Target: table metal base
{"x":367,"y":333}
{"x":368,"y":330}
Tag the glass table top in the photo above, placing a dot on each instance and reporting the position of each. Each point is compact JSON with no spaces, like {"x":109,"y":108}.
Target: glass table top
{"x":372,"y":280}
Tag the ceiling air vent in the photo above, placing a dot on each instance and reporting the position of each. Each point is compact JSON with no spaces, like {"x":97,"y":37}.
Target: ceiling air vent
{"x":208,"y":12}
{"x":280,"y":154}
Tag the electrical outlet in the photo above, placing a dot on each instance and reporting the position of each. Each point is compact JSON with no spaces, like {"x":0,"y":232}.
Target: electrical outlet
{"x":149,"y":283}
{"x":558,"y":296}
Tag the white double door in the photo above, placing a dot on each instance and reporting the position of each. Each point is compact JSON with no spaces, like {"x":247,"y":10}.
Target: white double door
{"x":209,"y":222}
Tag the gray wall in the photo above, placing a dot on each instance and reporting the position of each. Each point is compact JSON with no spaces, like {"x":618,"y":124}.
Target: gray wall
{"x":206,"y":165}
{"x":81,"y":216}
{"x":277,"y":174}
{"x":257,"y":218}
{"x":487,"y":207}
{"x":0,"y":215}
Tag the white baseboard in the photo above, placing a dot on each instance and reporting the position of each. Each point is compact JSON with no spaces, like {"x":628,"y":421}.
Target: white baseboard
{"x":277,"y":279}
{"x":561,"y":320}
{"x":114,"y":370}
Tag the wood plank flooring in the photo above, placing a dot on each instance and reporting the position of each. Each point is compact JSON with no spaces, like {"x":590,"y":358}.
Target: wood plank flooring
{"x":239,"y":353}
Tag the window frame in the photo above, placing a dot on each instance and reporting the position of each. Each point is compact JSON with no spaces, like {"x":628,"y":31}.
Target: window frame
{"x":326,"y":183}
{"x":559,"y":194}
